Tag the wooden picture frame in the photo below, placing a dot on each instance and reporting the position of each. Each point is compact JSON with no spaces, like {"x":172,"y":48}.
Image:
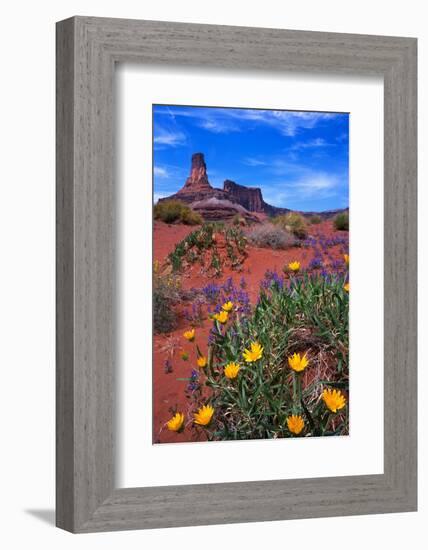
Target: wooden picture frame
{"x":87,"y":50}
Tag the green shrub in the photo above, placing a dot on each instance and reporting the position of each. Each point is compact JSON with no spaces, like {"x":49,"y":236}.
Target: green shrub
{"x":315,"y":219}
{"x":293,"y":222}
{"x":176,"y":211}
{"x":341,"y":221}
{"x":202,"y":245}
{"x":190,"y":217}
{"x":166,"y":293}
{"x":270,"y":236}
{"x":310,"y":317}
{"x":238,"y":220}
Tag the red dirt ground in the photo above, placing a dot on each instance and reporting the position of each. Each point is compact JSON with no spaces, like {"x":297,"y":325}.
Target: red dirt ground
{"x":168,"y":392}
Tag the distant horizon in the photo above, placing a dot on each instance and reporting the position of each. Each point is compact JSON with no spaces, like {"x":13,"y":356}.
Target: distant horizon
{"x":299,"y":159}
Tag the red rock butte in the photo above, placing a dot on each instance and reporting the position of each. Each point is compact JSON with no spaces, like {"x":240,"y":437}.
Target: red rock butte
{"x":198,"y":179}
{"x":223,"y":204}
{"x":220,"y":204}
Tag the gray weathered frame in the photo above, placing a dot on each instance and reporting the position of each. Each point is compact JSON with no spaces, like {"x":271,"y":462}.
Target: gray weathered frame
{"x":87,"y":50}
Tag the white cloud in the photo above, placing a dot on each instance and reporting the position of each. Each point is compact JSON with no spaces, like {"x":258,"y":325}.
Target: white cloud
{"x":170,"y":138}
{"x":218,"y":126}
{"x":317,"y":185}
{"x":311,"y":144}
{"x":222,"y":120}
{"x":160,"y":172}
{"x":250,"y":161}
{"x":308,"y":187}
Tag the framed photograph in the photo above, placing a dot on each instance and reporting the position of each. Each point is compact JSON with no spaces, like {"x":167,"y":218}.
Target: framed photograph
{"x":236,"y":274}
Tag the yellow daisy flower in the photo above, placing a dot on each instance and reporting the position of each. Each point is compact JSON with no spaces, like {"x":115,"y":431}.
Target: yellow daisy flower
{"x":346,"y":258}
{"x":228,"y":306}
{"x":294,"y":266}
{"x":231,"y":370}
{"x":204,"y":415}
{"x":202,"y":361}
{"x":346,"y":287}
{"x":333,"y":399}
{"x":221,"y":317}
{"x":297,"y":362}
{"x":254,"y":353}
{"x":176,"y":422}
{"x":189,"y":335}
{"x":295,"y":424}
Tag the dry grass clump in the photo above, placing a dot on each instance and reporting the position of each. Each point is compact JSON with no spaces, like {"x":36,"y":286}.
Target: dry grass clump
{"x":175,"y":211}
{"x":166,"y":293}
{"x":270,"y":236}
{"x":341,"y":221}
{"x":294,"y":223}
{"x":315,"y":219}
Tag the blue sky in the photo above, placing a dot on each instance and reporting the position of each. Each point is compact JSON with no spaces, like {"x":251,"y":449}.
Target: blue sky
{"x":298,"y":158}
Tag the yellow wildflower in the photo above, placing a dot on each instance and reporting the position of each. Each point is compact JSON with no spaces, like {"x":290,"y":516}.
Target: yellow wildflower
{"x":346,"y":287}
{"x":176,"y":422}
{"x":204,"y":415}
{"x":228,"y":306}
{"x":346,"y":258}
{"x":298,"y":363}
{"x":190,"y":335}
{"x":294,"y":266}
{"x":295,"y":424}
{"x":333,"y":399}
{"x":221,"y":317}
{"x":202,"y":361}
{"x":254,"y":353}
{"x":231,"y":370}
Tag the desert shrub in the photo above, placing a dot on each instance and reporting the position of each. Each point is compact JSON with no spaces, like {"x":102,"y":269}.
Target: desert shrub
{"x":315,"y":219}
{"x":270,"y":236}
{"x":166,"y":293}
{"x":238,"y":220}
{"x":190,"y":217}
{"x":253,"y":390}
{"x":203,"y":246}
{"x":341,"y":221}
{"x":175,"y":211}
{"x":293,"y":222}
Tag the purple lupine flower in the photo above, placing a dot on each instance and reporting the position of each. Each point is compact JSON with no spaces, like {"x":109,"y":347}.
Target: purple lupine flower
{"x":337,"y":264}
{"x":211,"y":292}
{"x":228,"y":285}
{"x":315,"y":263}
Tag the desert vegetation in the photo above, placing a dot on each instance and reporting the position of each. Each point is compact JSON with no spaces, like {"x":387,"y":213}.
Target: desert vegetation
{"x":341,"y":221}
{"x":205,"y":246}
{"x":268,"y":235}
{"x":254,"y":356}
{"x":280,"y":370}
{"x":315,"y":219}
{"x":292,"y":222}
{"x":172,"y":211}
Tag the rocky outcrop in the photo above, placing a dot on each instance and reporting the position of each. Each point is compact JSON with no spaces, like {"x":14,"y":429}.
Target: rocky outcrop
{"x":197,"y":182}
{"x":219,"y":204}
{"x":250,"y":198}
{"x":197,"y":186}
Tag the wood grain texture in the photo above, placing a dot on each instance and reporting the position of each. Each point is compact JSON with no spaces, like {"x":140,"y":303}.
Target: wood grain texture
{"x":87,"y":49}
